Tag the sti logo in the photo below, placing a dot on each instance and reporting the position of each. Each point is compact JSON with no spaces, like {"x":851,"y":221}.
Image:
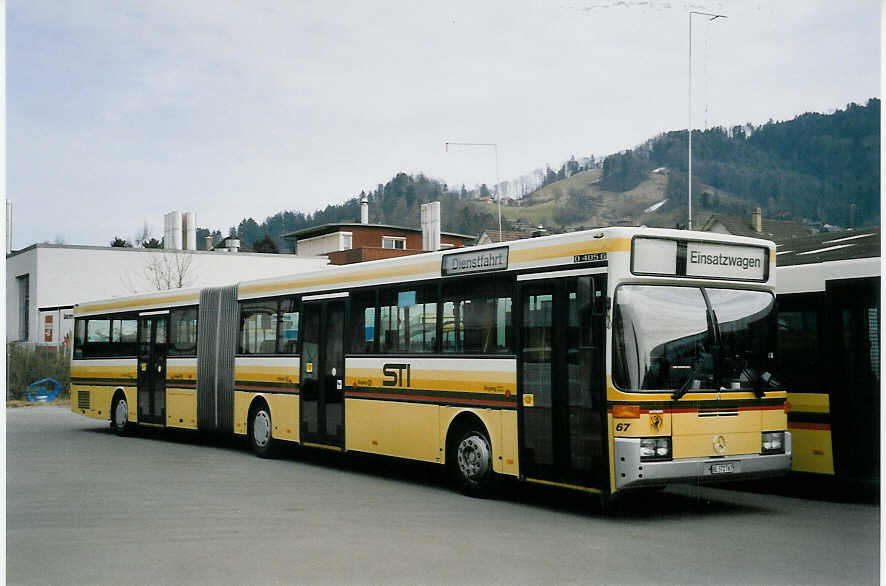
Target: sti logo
{"x":394,"y":377}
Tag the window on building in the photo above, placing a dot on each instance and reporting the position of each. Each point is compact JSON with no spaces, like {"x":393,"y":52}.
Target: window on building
{"x":347,"y":240}
{"x":395,"y":242}
{"x":24,"y":303}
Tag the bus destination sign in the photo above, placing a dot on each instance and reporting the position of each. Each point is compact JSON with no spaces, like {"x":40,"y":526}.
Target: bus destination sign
{"x":705,"y":259}
{"x":479,"y":261}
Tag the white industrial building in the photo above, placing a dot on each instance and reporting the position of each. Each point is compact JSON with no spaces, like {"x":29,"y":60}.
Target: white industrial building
{"x":44,"y":281}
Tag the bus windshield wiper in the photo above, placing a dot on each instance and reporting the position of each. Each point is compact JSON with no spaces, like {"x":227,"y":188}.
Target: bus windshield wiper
{"x":684,"y":388}
{"x":755,"y":382}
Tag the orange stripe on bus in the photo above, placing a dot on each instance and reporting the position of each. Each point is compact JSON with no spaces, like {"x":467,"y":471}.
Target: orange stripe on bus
{"x":711,"y":409}
{"x":408,"y":398}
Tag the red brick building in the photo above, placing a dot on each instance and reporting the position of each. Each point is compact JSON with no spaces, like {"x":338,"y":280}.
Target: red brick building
{"x":346,"y":243}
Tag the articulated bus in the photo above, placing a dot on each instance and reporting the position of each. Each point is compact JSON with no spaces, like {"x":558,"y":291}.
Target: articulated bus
{"x":829,"y":352}
{"x":602,"y":360}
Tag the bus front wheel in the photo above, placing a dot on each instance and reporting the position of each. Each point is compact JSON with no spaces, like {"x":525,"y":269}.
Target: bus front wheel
{"x":260,"y":437}
{"x":470,"y":463}
{"x":120,"y":416}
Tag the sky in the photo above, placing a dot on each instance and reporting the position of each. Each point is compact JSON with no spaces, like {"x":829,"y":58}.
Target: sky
{"x":119,"y":112}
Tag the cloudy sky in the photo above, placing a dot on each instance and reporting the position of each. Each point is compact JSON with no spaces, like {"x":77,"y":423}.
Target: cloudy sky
{"x":118,"y":112}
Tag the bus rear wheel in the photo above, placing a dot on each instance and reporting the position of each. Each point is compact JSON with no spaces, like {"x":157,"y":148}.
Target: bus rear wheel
{"x":260,"y":437}
{"x":470,"y":463}
{"x":120,"y":416}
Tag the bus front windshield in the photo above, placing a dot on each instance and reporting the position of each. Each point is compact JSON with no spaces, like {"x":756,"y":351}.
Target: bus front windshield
{"x":676,"y":339}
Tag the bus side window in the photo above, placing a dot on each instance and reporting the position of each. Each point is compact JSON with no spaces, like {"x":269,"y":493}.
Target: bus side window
{"x":98,"y":337}
{"x":452,"y":327}
{"x":392,"y":334}
{"x":183,"y":332}
{"x":363,"y":322}
{"x":79,"y":338}
{"x":422,"y":319}
{"x":258,"y":327}
{"x":124,"y":337}
{"x":287,"y":336}
{"x":479,"y":311}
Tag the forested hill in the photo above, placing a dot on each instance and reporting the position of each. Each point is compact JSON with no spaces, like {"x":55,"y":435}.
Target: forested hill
{"x":810,"y":168}
{"x":397,"y":202}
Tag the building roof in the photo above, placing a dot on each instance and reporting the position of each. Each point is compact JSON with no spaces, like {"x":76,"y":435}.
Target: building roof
{"x":339,"y":226}
{"x":132,"y":249}
{"x":491,"y":235}
{"x":828,"y":246}
{"x":776,"y":230}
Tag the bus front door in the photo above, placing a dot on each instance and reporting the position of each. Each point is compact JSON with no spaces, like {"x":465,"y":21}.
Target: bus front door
{"x":562,"y":411}
{"x":322,"y":373}
{"x":152,"y":369}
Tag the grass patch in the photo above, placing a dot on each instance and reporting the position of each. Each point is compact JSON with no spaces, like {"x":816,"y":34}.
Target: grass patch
{"x":28,"y":364}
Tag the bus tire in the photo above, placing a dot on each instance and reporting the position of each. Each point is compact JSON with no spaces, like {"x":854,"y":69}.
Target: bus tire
{"x":470,"y":462}
{"x":120,"y":415}
{"x":260,"y":437}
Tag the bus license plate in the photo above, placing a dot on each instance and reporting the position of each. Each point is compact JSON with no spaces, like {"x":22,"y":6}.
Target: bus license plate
{"x":724,"y":468}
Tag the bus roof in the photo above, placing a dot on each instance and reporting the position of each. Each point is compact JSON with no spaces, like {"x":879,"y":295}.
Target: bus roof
{"x":533,"y":253}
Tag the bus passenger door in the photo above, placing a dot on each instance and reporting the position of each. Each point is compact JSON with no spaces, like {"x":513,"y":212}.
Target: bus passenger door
{"x":152,"y":369}
{"x":561,"y":376}
{"x":322,"y":372}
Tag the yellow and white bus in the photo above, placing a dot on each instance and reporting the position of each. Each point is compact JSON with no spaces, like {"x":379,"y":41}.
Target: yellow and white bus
{"x":600,"y":360}
{"x":829,"y":353}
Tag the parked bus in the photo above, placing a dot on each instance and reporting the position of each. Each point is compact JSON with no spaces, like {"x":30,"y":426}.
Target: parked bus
{"x":829,"y":351}
{"x":601,"y":360}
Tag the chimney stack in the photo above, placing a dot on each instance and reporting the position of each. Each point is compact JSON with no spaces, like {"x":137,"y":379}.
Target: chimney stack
{"x":8,"y":227}
{"x":189,"y":231}
{"x":430,"y":226}
{"x":180,"y":231}
{"x":364,"y":210}
{"x":757,"y":220}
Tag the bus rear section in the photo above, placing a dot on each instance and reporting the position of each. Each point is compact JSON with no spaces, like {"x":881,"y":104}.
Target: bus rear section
{"x":693,"y":396}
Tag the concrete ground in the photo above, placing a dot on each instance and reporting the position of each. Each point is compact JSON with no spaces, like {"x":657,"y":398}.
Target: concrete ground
{"x":86,"y":507}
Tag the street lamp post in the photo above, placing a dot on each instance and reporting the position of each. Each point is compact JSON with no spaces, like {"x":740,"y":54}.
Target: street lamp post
{"x":712,"y":17}
{"x":494,"y":148}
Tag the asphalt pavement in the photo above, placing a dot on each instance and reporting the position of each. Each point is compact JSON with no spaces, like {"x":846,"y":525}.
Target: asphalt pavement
{"x":87,"y":507}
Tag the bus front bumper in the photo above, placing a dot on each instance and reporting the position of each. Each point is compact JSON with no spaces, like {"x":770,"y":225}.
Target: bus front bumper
{"x":630,"y":472}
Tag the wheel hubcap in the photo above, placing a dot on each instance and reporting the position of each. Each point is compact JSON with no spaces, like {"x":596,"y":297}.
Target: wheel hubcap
{"x":261,"y":429}
{"x":473,"y":457}
{"x":120,"y":414}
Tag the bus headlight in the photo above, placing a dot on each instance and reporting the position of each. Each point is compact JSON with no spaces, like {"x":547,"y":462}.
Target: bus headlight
{"x":773,"y":442}
{"x":655,"y":448}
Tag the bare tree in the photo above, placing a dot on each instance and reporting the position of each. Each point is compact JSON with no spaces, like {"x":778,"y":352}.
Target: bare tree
{"x":162,"y":271}
{"x":169,"y":271}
